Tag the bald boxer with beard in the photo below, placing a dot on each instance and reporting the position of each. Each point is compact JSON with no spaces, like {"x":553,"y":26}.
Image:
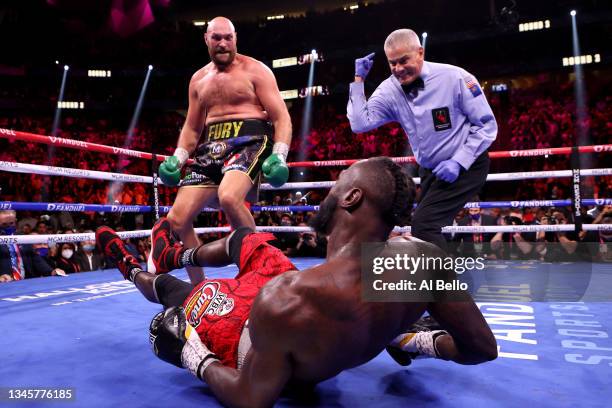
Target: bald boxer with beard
{"x":302,"y":327}
{"x":237,"y":124}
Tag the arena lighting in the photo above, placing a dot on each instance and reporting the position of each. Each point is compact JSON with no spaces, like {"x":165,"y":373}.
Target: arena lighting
{"x":313,"y":91}
{"x":581,"y":60}
{"x":534,"y":25}
{"x":99,"y":73}
{"x":290,"y":94}
{"x":58,"y":109}
{"x":70,"y":105}
{"x":582,"y":135}
{"x":307,"y":114}
{"x":56,"y":62}
{"x":424,"y":34}
{"x":284,"y":62}
{"x":300,"y":60}
{"x":56,"y":121}
{"x":199,"y":23}
{"x":116,"y":185}
{"x":309,"y":58}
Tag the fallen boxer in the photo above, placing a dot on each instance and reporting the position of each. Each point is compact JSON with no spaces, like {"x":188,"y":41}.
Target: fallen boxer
{"x":303,"y":326}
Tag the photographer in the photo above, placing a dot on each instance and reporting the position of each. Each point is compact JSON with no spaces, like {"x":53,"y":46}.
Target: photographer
{"x":512,"y":245}
{"x":285,"y":241}
{"x":308,"y":245}
{"x":558,"y":246}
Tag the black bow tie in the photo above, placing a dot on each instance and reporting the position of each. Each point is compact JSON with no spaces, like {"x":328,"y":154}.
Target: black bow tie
{"x":414,"y":85}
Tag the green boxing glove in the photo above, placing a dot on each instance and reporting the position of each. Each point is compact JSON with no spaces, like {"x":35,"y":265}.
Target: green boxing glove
{"x":275,"y":168}
{"x":170,"y":169}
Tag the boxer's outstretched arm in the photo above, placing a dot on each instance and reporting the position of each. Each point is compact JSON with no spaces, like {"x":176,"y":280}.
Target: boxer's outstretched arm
{"x":258,"y":384}
{"x":267,"y":367}
{"x":471,"y":340}
{"x":267,"y":91}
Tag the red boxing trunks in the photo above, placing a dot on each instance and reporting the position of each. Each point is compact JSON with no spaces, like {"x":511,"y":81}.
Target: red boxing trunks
{"x":219,"y":308}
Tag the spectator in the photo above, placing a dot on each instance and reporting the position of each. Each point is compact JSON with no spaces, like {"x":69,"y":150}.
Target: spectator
{"x":144,"y":248}
{"x":88,"y":258}
{"x":20,"y":261}
{"x":41,"y":228}
{"x":65,"y":258}
{"x":476,"y":244}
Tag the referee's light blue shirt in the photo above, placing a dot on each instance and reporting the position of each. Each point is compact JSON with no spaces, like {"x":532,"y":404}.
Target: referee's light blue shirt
{"x":449,"y":118}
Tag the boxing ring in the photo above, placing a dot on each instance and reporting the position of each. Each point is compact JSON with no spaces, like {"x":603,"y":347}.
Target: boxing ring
{"x":88,"y":332}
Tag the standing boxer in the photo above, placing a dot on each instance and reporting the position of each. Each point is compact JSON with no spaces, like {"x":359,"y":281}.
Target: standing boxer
{"x":236,"y":101}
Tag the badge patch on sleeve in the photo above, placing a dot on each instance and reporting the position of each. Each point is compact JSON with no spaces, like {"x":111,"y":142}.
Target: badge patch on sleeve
{"x":472,"y":85}
{"x":441,"y":119}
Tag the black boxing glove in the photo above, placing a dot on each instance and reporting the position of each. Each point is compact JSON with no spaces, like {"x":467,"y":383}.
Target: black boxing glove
{"x":175,"y":341}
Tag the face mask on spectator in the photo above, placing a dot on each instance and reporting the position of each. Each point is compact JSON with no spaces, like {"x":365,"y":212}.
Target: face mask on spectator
{"x":475,"y":217}
{"x":88,"y":247}
{"x":67,"y":253}
{"x":286,"y":223}
{"x":8,"y":230}
{"x":42,"y":251}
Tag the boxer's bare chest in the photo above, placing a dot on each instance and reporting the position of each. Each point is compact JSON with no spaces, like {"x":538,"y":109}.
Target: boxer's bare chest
{"x":348,"y":331}
{"x":219,"y":89}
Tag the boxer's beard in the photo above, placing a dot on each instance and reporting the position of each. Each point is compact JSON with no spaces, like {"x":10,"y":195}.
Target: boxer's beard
{"x":320,"y":222}
{"x":226,"y":60}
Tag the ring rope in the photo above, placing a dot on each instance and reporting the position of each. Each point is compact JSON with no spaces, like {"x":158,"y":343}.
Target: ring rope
{"x":100,"y":148}
{"x":14,"y":167}
{"x":89,"y":236}
{"x":73,"y":207}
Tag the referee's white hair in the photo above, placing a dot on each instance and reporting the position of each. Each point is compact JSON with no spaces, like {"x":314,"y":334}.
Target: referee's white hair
{"x":403,"y":36}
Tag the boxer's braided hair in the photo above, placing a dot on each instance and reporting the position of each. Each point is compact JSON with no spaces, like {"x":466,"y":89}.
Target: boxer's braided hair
{"x":396,"y":202}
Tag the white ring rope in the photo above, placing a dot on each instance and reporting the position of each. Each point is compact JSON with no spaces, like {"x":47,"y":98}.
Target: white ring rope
{"x":129,"y":178}
{"x":90,"y":236}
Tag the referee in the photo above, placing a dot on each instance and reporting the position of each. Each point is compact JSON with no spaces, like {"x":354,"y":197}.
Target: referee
{"x":447,"y":118}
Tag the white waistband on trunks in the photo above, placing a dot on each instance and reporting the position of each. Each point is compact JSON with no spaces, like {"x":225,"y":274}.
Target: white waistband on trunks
{"x":244,"y":345}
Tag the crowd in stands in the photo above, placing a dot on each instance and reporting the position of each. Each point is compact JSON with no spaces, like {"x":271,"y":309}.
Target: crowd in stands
{"x":50,"y":259}
{"x":531,"y":120}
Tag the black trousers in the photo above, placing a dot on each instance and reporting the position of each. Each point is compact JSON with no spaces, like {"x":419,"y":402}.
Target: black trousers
{"x":441,"y":201}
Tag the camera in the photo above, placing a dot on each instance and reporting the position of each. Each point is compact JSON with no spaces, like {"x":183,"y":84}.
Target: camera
{"x":512,"y":220}
{"x":552,"y":220}
{"x":308,"y":237}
